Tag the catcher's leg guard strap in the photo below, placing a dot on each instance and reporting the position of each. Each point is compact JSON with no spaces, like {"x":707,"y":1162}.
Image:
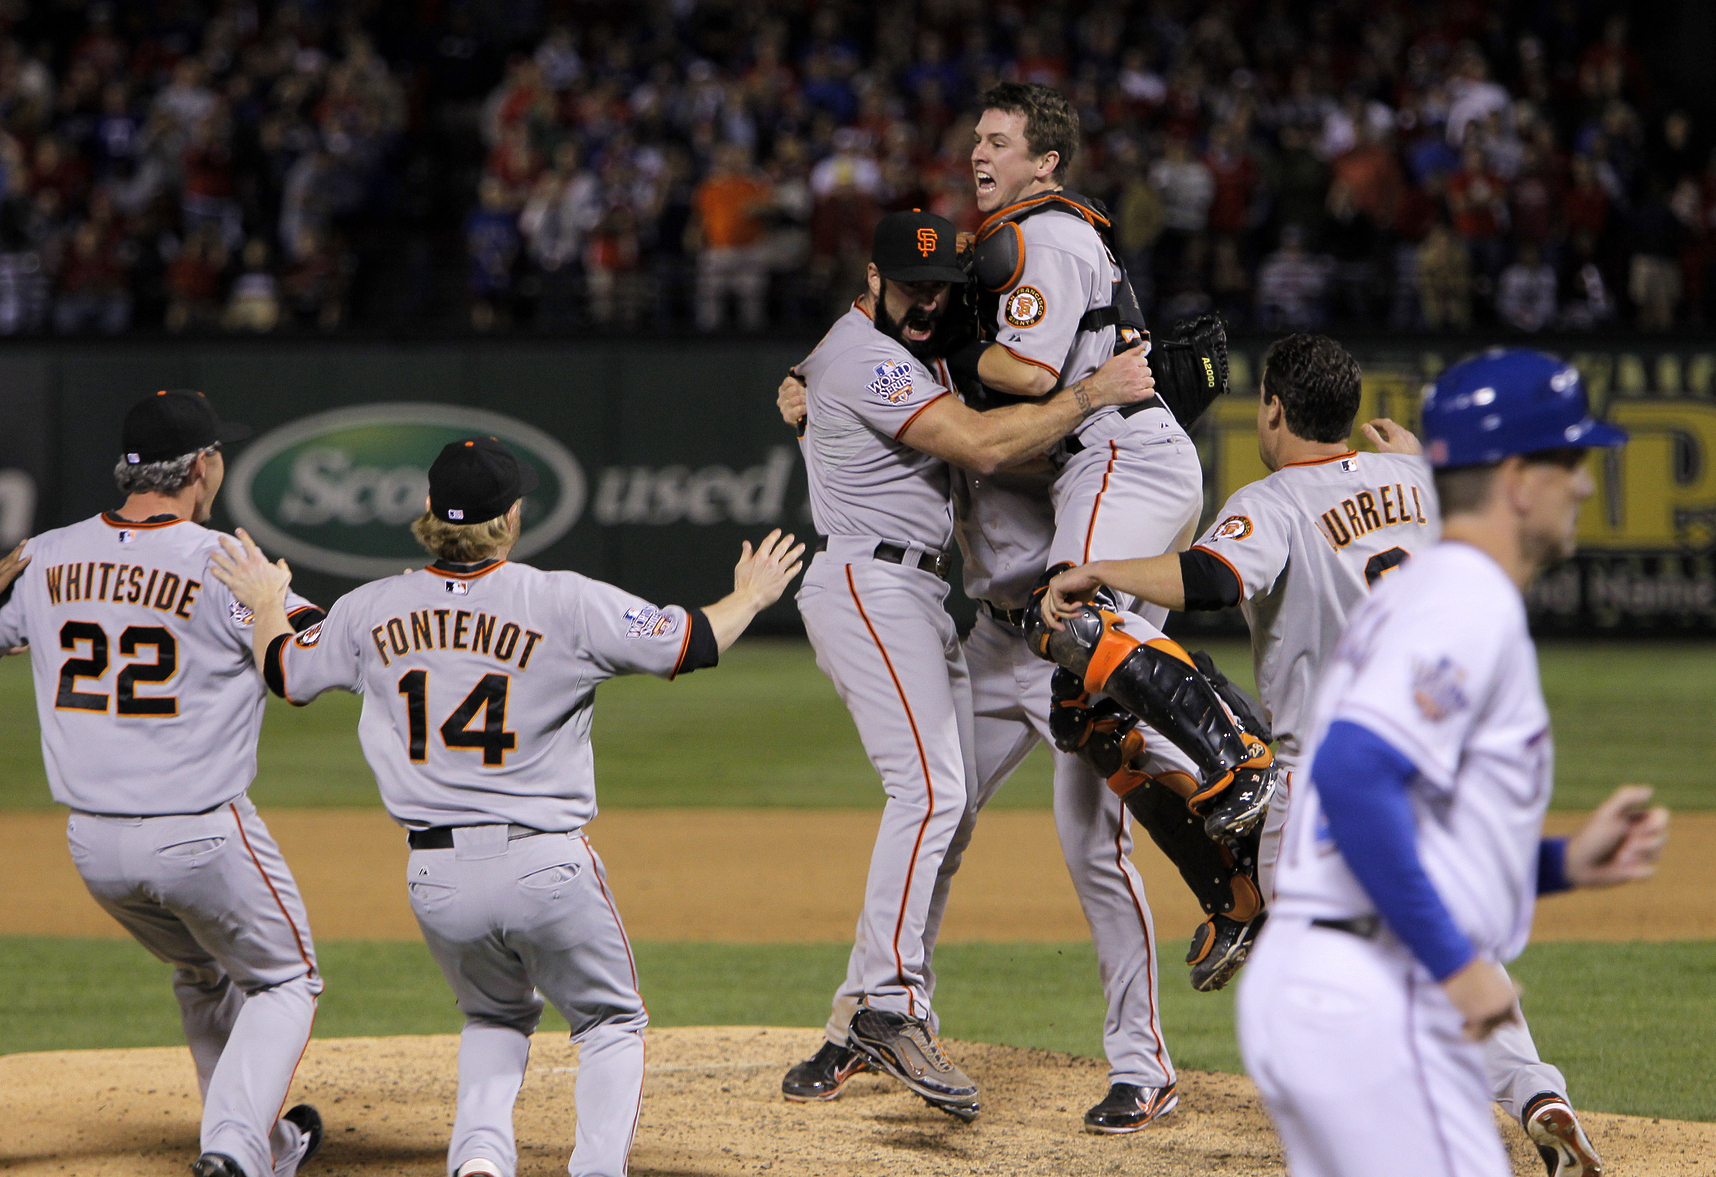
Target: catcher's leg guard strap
{"x":1208,"y":869}
{"x":1157,"y":682}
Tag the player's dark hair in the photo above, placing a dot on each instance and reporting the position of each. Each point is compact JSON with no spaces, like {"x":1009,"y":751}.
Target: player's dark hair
{"x":1051,"y":123}
{"x":463,"y":543}
{"x":1317,"y":382}
{"x":1464,"y":490}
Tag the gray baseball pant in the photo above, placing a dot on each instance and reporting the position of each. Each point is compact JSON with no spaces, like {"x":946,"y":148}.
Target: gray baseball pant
{"x":882,"y":634}
{"x":210,"y":894}
{"x":512,"y":920}
{"x":1010,"y":694}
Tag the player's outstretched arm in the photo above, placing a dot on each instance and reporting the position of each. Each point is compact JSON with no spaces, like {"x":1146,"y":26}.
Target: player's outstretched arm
{"x":1155,"y":579}
{"x":1621,"y":843}
{"x":987,"y":442}
{"x":1390,"y":438}
{"x":257,"y":585}
{"x":759,"y":579}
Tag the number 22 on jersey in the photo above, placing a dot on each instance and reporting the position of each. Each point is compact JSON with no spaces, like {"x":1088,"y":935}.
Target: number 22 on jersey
{"x":132,"y":640}
{"x":488,"y":696}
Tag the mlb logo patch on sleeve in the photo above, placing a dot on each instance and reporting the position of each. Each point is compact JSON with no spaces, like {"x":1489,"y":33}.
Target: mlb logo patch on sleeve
{"x":645,"y":621}
{"x":893,"y":382}
{"x":1438,"y":688}
{"x":242,"y":616}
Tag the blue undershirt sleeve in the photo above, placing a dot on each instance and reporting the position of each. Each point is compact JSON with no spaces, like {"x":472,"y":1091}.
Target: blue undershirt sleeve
{"x":1363,"y":782}
{"x":1552,"y":866}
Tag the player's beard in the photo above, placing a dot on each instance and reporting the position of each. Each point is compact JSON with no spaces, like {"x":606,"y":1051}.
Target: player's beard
{"x":917,"y":318}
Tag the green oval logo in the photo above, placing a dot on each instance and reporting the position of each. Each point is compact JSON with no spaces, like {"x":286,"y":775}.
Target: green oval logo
{"x":337,"y":491}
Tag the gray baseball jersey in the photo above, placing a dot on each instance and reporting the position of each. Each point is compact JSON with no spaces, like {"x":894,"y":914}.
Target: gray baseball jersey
{"x":1004,"y":524}
{"x":1067,"y":271}
{"x":150,"y":707}
{"x":862,"y":390}
{"x":147,"y":696}
{"x":478,"y":685}
{"x":1307,"y":543}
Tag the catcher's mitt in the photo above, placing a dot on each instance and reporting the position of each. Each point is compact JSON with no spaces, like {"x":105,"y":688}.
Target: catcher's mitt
{"x":1189,"y":362}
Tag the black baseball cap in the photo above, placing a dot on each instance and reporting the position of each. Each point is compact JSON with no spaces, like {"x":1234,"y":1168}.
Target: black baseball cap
{"x":916,"y":247}
{"x":475,"y":480}
{"x":172,"y":423}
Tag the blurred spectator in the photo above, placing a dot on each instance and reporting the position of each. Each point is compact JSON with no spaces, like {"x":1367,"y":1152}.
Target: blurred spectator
{"x":563,"y":207}
{"x":1477,"y":198}
{"x":1291,"y":286}
{"x":492,"y":242}
{"x":730,"y":206}
{"x":1654,"y":280}
{"x":1187,"y":188}
{"x":194,"y":278}
{"x":255,"y":301}
{"x":1588,"y":301}
{"x":1444,"y":281}
{"x":94,"y":292}
{"x":313,"y":286}
{"x":1525,"y":296}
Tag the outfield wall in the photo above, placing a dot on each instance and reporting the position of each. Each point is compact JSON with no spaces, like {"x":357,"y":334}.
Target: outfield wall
{"x":658,"y":456}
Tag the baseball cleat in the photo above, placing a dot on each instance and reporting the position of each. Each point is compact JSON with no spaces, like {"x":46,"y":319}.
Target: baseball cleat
{"x":823,"y":1074}
{"x":905,"y":1048}
{"x":215,"y":1164}
{"x":1240,"y":808}
{"x":1219,"y":947}
{"x":965,"y":1113}
{"x":1127,"y":1108}
{"x":1566,"y":1150}
{"x":309,"y":1124}
{"x":479,"y":1167}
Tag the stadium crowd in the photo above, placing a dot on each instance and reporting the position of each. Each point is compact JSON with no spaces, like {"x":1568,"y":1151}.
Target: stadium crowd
{"x":718,"y":164}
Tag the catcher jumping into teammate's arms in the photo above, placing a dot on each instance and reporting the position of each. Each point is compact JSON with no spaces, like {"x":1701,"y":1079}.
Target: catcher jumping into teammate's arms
{"x":478,"y":677}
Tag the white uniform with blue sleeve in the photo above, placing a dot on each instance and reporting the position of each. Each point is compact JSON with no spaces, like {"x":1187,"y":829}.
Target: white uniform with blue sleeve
{"x":478,"y":686}
{"x":1357,"y":1051}
{"x":874,"y":606}
{"x":150,"y":707}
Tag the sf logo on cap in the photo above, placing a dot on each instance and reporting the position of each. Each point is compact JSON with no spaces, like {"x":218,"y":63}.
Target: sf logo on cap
{"x":926,"y":241}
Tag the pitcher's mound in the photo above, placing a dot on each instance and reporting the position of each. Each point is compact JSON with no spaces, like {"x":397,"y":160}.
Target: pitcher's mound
{"x":712,"y":1105}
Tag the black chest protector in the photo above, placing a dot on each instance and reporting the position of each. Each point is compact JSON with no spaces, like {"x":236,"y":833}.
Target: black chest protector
{"x":998,"y":261}
{"x":1189,"y":362}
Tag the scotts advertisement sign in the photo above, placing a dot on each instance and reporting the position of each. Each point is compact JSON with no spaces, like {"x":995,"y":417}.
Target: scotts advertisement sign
{"x":336,"y":492}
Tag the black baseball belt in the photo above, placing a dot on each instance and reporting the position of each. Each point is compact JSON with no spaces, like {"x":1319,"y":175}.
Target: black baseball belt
{"x":1012,"y":618}
{"x":441,"y":837}
{"x":1072,"y":445}
{"x":1365,"y":927}
{"x":937,"y":563}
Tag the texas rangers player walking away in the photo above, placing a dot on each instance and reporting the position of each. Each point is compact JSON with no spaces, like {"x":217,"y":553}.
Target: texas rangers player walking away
{"x":881,"y":428}
{"x":1298,"y":551}
{"x":150,"y":709}
{"x":1414,"y":845}
{"x":478,"y":678}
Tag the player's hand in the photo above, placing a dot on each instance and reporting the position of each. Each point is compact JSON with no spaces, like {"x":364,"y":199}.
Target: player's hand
{"x":13,"y":563}
{"x":1485,"y":996}
{"x":1124,"y":380}
{"x":790,"y":399}
{"x":763,"y":575}
{"x":1067,"y":592}
{"x":241,"y":566}
{"x":1621,"y":843}
{"x":1391,"y":438}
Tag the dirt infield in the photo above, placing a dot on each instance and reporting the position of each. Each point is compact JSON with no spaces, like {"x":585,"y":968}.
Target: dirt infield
{"x":758,"y":876}
{"x":388,"y":1104}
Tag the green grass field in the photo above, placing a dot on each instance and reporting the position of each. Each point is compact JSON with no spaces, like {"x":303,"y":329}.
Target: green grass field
{"x":765,"y":728}
{"x":1629,"y":1023}
{"x":1620,"y":1020}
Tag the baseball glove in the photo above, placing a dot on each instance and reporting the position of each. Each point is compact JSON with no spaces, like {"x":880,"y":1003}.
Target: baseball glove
{"x":1189,"y":362}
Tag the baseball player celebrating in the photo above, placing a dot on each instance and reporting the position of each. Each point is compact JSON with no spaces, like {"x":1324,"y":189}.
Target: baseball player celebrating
{"x":1298,"y":552}
{"x":1132,"y":483}
{"x":1414,"y":846}
{"x":881,"y":428}
{"x":150,"y":710}
{"x":478,"y":678}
